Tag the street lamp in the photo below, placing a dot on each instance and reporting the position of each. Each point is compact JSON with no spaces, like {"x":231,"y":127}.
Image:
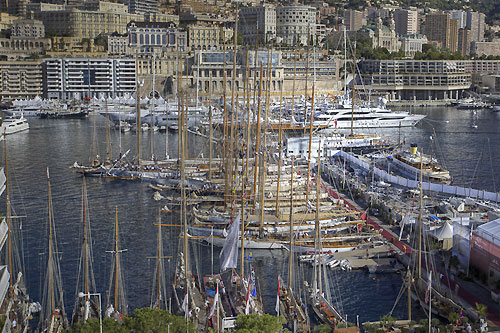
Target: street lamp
{"x":81,"y":295}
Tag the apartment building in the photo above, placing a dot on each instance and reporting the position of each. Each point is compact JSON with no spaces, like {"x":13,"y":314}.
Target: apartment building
{"x":21,"y":79}
{"x":257,"y":24}
{"x":441,"y":28}
{"x":406,"y":21}
{"x":202,"y":37}
{"x":476,"y":24}
{"x":67,"y":78}
{"x":353,"y":19}
{"x":27,"y":29}
{"x":95,"y":19}
{"x":417,"y":79}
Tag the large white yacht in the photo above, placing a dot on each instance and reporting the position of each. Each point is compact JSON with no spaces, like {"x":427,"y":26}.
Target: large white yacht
{"x":338,"y":113}
{"x":13,"y":125}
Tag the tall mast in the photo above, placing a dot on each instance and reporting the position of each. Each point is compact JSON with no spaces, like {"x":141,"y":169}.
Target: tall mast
{"x":50,"y":273}
{"x":318,"y":227}
{"x":263,"y":187}
{"x":109,"y":153}
{"x":268,"y":83}
{"x":85,"y":242}
{"x":210,"y":141}
{"x":179,"y":107}
{"x":116,"y":258}
{"x":280,"y":147}
{"x":138,"y":111}
{"x":310,"y":144}
{"x":151,"y":120}
{"x":293,"y":84}
{"x":9,"y":217}
{"x":159,"y":258}
{"x":234,"y":111}
{"x":307,"y":73}
{"x":166,"y":130}
{"x":420,"y":219}
{"x":257,"y":143}
{"x":345,"y":61}
{"x":183,"y":193}
{"x":224,"y":136}
{"x":248,"y":126}
{"x":290,"y":258}
{"x":353,"y":88}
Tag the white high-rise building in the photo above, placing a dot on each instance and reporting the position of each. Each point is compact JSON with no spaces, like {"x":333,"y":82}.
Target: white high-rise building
{"x":77,"y":78}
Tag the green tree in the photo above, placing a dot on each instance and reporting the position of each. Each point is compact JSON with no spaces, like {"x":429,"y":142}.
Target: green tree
{"x":453,"y":317}
{"x":481,"y":310}
{"x":155,"y":321}
{"x":92,"y":326}
{"x":387,"y":321}
{"x":255,"y":323}
{"x":323,"y":329}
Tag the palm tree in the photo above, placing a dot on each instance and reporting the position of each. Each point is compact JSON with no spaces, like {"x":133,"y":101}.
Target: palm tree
{"x":481,"y":310}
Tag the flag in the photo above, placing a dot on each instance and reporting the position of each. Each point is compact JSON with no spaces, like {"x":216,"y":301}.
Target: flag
{"x":247,"y":307}
{"x":185,"y":303}
{"x":277,"y":308}
{"x":335,"y":122}
{"x":364,"y":215}
{"x":428,"y":291}
{"x":229,"y":253}
{"x":216,"y":299}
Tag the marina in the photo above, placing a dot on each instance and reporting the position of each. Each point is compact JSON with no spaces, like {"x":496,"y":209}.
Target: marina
{"x":69,"y":184}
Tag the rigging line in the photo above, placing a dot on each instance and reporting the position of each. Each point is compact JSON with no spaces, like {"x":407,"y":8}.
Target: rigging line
{"x":477,"y":166}
{"x":491,"y":166}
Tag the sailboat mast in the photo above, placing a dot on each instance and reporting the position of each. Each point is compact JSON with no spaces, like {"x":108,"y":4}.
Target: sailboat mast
{"x":210,"y":142}
{"x":85,"y":249}
{"x":290,"y":258}
{"x":263,"y":188}
{"x":109,"y":155}
{"x":183,"y":192}
{"x":420,"y":218}
{"x":243,"y":193}
{"x":257,"y":142}
{"x":224,"y":125}
{"x":293,"y":83}
{"x":51,"y":251}
{"x":116,"y":258}
{"x":353,"y":88}
{"x":138,"y":106}
{"x":310,"y":144}
{"x":268,"y":84}
{"x":280,"y":147}
{"x":318,"y":227}
{"x":8,"y":217}
{"x":158,"y":278}
{"x":248,"y":120}
{"x":234,"y":112}
{"x":409,"y":295}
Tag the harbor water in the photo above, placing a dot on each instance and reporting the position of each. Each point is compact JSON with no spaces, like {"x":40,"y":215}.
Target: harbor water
{"x":465,"y":142}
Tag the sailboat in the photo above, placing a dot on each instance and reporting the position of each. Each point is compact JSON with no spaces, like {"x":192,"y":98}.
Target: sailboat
{"x":52,"y":315}
{"x":322,"y":306}
{"x":116,"y":307}
{"x":290,"y":305}
{"x":85,"y":305}
{"x":158,"y":296}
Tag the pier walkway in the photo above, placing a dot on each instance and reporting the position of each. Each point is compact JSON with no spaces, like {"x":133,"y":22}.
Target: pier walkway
{"x":426,"y":186}
{"x":469,"y":292}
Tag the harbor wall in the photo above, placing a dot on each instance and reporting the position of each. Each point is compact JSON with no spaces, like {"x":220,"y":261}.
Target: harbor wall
{"x":426,"y":186}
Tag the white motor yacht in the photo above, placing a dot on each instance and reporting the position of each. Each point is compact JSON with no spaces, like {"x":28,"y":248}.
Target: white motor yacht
{"x":13,"y":125}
